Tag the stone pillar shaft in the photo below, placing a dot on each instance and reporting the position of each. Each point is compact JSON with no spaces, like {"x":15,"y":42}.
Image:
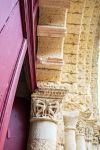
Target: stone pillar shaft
{"x":70,"y":121}
{"x":80,"y":142}
{"x":43,"y":135}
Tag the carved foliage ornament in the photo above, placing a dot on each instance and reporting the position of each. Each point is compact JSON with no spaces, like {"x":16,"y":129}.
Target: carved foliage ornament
{"x":41,"y":108}
{"x":80,"y":128}
{"x":96,"y":135}
{"x":47,"y":101}
{"x":89,"y":133}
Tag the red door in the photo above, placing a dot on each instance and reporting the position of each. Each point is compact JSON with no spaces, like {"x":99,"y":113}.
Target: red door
{"x":16,"y":41}
{"x":17,"y":133}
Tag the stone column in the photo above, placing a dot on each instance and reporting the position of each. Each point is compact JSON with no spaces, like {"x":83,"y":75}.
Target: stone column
{"x":80,"y":136}
{"x":70,"y":121}
{"x":89,"y":137}
{"x":45,"y":110}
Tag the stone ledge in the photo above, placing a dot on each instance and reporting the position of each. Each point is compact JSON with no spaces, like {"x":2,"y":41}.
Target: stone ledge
{"x":51,"y":31}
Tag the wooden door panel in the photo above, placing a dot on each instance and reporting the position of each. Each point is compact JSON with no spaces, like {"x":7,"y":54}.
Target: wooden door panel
{"x":6,"y":7}
{"x":16,"y":138}
{"x":13,"y":48}
{"x":11,"y":39}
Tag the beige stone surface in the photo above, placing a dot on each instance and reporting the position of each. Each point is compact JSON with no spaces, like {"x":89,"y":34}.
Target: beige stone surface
{"x":69,"y":78}
{"x":50,"y":75}
{"x":51,"y":16}
{"x":70,"y":48}
{"x":72,"y":39}
{"x":74,"y":18}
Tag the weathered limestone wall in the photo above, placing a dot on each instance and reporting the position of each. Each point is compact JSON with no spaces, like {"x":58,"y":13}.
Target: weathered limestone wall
{"x":94,"y":73}
{"x":81,"y":59}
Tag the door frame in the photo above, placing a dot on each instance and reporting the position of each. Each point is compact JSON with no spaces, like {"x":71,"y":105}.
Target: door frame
{"x":28,"y":48}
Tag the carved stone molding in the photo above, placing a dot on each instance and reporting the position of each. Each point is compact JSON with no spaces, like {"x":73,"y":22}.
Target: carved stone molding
{"x":47,"y":101}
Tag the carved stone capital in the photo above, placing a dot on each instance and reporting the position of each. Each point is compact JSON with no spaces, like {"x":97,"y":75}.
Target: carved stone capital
{"x":89,"y":134}
{"x":96,"y":135}
{"x":80,"y":128}
{"x":47,"y":101}
{"x":70,"y":120}
{"x":95,"y":140}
